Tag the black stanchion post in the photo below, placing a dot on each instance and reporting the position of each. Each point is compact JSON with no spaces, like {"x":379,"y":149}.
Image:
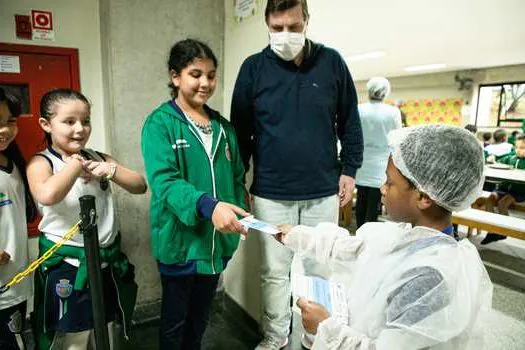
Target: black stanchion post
{"x":88,"y":228}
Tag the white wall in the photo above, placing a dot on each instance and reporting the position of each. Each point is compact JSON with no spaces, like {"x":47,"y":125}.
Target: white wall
{"x":77,"y":25}
{"x":417,"y":87}
{"x":241,"y":40}
{"x":242,"y":279}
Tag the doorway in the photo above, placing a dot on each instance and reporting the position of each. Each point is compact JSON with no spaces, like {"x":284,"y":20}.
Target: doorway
{"x":41,"y":68}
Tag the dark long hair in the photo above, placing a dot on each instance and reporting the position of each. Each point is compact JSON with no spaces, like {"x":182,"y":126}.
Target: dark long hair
{"x":183,"y":53}
{"x":13,"y":153}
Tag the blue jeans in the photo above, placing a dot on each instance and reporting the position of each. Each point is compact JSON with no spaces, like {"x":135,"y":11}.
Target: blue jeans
{"x":186,"y":303}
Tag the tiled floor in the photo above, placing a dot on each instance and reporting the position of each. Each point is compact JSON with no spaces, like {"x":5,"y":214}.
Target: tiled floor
{"x":505,"y":328}
{"x":222,"y":333}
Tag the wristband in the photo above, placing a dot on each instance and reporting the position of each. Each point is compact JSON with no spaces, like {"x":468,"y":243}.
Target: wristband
{"x":112,"y":171}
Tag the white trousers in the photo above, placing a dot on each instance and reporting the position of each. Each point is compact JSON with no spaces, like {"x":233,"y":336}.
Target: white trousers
{"x":276,"y":259}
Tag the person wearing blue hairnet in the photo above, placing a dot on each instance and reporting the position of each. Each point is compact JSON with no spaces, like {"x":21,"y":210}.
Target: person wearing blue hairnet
{"x":414,"y":285}
{"x":377,"y":120}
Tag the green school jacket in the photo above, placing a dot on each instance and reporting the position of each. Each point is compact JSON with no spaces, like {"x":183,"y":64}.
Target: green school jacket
{"x":515,"y":162}
{"x":179,"y":172}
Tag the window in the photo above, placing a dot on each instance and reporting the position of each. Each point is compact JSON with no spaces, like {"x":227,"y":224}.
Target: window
{"x":501,"y":105}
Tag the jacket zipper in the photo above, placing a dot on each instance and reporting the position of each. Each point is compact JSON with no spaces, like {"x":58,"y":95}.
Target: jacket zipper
{"x":210,"y":159}
{"x":45,"y":313}
{"x":120,"y":305}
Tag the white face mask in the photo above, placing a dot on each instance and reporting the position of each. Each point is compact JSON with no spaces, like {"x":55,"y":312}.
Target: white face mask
{"x":287,"y":45}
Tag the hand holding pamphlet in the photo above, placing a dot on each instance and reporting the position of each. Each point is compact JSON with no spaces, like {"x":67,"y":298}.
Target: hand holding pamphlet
{"x":330,"y":294}
{"x":252,"y":223}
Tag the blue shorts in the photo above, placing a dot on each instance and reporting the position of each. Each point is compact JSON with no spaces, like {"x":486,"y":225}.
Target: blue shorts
{"x":68,"y":310}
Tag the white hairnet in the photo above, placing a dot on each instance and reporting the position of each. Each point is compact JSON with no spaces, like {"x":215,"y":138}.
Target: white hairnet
{"x":445,"y":162}
{"x":378,"y":88}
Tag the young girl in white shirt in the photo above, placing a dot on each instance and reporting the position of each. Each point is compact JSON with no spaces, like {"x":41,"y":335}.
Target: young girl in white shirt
{"x":16,"y":209}
{"x":58,"y":177}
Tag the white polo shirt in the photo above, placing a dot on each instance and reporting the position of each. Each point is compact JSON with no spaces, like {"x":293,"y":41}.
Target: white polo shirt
{"x":13,"y":237}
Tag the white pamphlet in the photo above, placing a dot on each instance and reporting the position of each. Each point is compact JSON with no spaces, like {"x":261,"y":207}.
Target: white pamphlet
{"x":253,"y":223}
{"x":330,"y":294}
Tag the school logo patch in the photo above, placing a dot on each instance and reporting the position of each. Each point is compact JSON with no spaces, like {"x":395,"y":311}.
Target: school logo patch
{"x":15,"y":322}
{"x":4,"y":199}
{"x":228,"y":153}
{"x":63,"y":288}
{"x":180,"y":143}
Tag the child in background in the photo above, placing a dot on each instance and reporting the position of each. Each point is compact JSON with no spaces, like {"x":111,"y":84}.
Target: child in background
{"x":512,"y":137}
{"x":472,"y":128}
{"x":507,"y":194}
{"x":16,"y":210}
{"x":58,"y":177}
{"x":196,"y":177}
{"x":500,"y":147}
{"x":487,"y":136}
{"x":414,"y":286}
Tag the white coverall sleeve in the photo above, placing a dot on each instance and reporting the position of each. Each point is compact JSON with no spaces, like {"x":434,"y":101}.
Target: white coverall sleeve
{"x":398,"y":122}
{"x":332,"y":334}
{"x":327,"y":243}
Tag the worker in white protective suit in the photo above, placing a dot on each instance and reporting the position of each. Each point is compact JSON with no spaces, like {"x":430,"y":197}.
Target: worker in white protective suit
{"x":415,"y":286}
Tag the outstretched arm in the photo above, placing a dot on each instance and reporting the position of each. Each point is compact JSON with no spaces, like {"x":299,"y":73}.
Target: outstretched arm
{"x":327,"y":243}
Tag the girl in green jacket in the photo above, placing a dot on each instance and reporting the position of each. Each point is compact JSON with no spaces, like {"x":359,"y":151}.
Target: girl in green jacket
{"x":196,"y":176}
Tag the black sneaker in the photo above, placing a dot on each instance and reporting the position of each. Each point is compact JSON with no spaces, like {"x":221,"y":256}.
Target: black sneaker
{"x":492,"y":237}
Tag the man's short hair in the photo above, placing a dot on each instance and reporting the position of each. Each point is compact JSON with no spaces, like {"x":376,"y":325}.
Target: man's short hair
{"x":499,"y":135}
{"x":282,"y":5}
{"x":487,"y":135}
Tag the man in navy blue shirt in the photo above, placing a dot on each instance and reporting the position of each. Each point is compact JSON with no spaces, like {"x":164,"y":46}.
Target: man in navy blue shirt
{"x":291,"y":103}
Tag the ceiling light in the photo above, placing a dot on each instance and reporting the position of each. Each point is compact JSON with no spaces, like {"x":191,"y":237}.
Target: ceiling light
{"x":424,"y":67}
{"x":366,"y":56}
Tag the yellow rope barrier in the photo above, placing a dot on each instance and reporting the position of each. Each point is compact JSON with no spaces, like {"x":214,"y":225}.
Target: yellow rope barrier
{"x":34,"y":265}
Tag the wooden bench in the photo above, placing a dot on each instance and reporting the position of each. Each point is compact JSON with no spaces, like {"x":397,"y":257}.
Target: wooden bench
{"x":345,"y":213}
{"x":516,"y":207}
{"x":491,"y":222}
